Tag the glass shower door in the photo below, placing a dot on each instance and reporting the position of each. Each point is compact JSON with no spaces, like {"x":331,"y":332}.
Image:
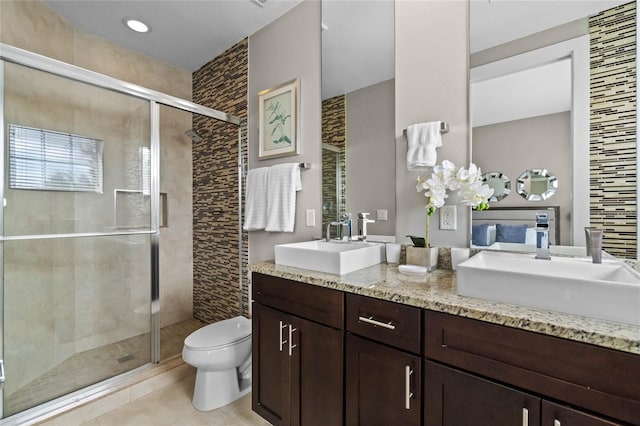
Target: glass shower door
{"x":76,"y":235}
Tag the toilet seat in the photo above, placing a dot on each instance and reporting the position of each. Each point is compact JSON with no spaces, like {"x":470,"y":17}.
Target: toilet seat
{"x":221,"y":334}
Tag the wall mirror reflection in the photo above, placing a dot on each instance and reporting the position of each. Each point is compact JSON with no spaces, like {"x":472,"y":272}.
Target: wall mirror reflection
{"x":500,"y":183}
{"x":540,"y":75}
{"x":536,"y":185}
{"x":358,"y":112}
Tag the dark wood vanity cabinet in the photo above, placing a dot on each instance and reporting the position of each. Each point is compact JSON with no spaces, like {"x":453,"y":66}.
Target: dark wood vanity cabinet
{"x":454,"y":398}
{"x":383,"y":378}
{"x":297,"y":361}
{"x":502,"y":370}
{"x":325,"y":357}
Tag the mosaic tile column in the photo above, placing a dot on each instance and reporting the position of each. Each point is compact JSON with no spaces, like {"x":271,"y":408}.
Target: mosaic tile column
{"x":613,"y":168}
{"x":334,"y":133}
{"x":221,"y":84}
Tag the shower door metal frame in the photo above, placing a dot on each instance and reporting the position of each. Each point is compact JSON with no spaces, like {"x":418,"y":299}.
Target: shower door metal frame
{"x":52,"y":66}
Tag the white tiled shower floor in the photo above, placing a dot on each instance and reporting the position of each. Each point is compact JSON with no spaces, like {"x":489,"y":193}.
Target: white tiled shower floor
{"x":92,"y":366}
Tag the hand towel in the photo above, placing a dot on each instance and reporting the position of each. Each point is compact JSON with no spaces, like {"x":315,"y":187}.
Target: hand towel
{"x":423,"y":139}
{"x":282,"y":184}
{"x":255,"y":210}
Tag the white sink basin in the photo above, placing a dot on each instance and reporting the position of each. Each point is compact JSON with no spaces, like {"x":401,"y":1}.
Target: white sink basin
{"x":609,"y":291}
{"x":331,"y":257}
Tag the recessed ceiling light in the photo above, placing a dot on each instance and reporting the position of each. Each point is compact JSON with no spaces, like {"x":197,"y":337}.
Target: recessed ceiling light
{"x":136,"y":25}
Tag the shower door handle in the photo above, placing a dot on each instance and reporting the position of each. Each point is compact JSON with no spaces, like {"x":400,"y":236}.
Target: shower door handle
{"x":1,"y":373}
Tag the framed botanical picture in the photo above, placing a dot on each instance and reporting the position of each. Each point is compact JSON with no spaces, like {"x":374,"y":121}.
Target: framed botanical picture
{"x":278,"y":121}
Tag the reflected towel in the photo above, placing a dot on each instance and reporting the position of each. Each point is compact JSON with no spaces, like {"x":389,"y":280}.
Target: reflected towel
{"x":255,"y":212}
{"x":423,"y":139}
{"x":282,"y":184}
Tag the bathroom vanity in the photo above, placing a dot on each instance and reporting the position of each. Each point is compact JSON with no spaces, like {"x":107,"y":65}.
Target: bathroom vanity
{"x":377,"y":347}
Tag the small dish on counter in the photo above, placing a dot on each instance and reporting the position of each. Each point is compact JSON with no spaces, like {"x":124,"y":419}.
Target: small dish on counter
{"x":412,"y":269}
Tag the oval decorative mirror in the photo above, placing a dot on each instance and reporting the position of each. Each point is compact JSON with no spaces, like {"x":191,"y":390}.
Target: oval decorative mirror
{"x":536,"y":184}
{"x":500,"y":183}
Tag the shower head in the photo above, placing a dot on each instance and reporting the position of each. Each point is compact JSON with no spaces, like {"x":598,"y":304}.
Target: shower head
{"x":193,"y":135}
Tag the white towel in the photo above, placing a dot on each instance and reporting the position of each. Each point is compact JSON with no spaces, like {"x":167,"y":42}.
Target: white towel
{"x":255,"y":210}
{"x":423,"y":139}
{"x":283,"y":182}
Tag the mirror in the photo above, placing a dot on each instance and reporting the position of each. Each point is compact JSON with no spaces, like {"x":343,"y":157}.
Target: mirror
{"x":531,"y":60}
{"x":500,"y":183}
{"x":358,"y":112}
{"x":536,"y":185}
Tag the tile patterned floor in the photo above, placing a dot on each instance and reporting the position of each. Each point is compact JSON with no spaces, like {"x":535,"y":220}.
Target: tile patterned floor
{"x":171,"y":406}
{"x":88,"y":367}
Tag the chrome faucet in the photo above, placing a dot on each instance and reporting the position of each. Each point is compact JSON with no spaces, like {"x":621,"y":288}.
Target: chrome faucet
{"x":362,"y":225}
{"x":345,"y":220}
{"x":542,"y":236}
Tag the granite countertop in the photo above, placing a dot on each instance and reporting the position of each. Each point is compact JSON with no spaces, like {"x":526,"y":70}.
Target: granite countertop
{"x":437,"y":291}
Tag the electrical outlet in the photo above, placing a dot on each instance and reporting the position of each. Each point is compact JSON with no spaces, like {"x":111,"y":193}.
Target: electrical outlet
{"x":311,"y":217}
{"x":448,"y":217}
{"x":381,"y":214}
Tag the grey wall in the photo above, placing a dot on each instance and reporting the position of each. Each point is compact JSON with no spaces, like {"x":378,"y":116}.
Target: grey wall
{"x":431,"y":84}
{"x":289,"y":48}
{"x":371,"y":154}
{"x":499,"y":147}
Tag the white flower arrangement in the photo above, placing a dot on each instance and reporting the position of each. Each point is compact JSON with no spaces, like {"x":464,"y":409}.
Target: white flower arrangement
{"x":447,"y":177}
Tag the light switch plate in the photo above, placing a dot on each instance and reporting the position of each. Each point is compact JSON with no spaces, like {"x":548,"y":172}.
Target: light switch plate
{"x":311,"y":217}
{"x":381,"y":214}
{"x":448,"y":217}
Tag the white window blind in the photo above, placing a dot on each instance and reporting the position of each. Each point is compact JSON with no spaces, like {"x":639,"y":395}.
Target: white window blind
{"x":48,"y":160}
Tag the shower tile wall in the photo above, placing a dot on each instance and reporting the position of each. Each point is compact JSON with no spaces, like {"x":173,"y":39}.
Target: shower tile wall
{"x":220,"y":84}
{"x":613,"y":128}
{"x":334,"y":133}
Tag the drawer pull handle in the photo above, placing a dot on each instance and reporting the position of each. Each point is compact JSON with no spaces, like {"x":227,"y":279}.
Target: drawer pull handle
{"x":556,"y":422}
{"x":291,"y":346}
{"x":282,"y":342}
{"x":370,"y":320}
{"x":407,"y":387}
{"x":525,"y":417}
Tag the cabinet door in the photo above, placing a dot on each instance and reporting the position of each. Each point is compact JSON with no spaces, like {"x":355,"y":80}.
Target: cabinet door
{"x":383,"y":385}
{"x":317,"y":372}
{"x":558,"y":415}
{"x":454,"y":398}
{"x":271,"y":368}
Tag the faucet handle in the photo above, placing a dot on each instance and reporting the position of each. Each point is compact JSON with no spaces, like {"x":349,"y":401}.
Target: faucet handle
{"x":362,"y":215}
{"x":345,"y":216}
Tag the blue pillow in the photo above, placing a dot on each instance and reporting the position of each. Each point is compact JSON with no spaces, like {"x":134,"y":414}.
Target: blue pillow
{"x":480,"y":235}
{"x":511,"y":233}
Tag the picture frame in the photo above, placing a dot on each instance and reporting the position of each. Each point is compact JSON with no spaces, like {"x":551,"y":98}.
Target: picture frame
{"x":278,"y":121}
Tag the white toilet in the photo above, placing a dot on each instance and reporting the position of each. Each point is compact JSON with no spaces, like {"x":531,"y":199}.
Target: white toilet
{"x":222,"y":354}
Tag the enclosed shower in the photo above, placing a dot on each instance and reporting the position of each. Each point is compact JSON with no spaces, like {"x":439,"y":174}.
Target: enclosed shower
{"x":82,"y":228}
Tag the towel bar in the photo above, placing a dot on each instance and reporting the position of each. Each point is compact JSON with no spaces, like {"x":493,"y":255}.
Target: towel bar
{"x":444,"y":128}
{"x":305,"y":166}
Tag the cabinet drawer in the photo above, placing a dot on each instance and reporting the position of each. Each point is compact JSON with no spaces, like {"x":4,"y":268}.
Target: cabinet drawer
{"x":595,"y":378}
{"x":387,"y":322}
{"x":319,"y":304}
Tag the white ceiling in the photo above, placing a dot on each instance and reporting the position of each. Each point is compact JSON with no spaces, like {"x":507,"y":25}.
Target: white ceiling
{"x":542,"y":90}
{"x":184,"y":33}
{"x":495,"y":22}
{"x":359,"y":44}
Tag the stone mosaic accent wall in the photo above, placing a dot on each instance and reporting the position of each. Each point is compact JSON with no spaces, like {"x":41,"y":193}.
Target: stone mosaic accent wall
{"x":220,"y":84}
{"x":334,"y":164}
{"x":613,"y":167}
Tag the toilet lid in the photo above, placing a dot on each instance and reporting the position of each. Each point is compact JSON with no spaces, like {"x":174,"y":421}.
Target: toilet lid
{"x":220,"y":333}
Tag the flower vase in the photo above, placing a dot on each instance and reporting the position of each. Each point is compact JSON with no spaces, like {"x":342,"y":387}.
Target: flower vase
{"x":423,"y":256}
